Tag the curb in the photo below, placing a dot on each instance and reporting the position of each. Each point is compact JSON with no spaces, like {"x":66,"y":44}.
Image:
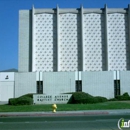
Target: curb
{"x":53,"y":114}
{"x":66,"y":113}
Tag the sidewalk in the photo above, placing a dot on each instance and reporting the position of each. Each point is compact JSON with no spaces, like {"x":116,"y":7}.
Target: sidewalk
{"x":67,"y":113}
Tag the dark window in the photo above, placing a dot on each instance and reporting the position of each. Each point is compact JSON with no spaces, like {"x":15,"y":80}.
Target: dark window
{"x":117,"y":87}
{"x":40,"y":87}
{"x":78,"y":85}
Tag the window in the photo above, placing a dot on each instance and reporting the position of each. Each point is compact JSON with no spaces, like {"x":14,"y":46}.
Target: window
{"x":40,"y":87}
{"x":117,"y":87}
{"x":78,"y":85}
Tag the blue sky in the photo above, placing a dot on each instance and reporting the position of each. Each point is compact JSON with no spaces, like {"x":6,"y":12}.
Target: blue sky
{"x":9,"y":19}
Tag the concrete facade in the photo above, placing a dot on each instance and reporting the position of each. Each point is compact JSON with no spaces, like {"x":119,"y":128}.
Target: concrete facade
{"x":98,"y":83}
{"x":125,"y":82}
{"x":25,"y":41}
{"x":69,"y":50}
{"x":25,"y":83}
{"x":74,"y":39}
{"x":95,"y":83}
{"x":6,"y":85}
{"x":58,"y":82}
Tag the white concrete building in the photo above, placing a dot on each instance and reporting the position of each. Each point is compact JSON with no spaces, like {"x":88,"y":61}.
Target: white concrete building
{"x":68,"y":50}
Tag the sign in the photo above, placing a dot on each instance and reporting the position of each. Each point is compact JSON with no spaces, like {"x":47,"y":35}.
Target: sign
{"x":51,"y":99}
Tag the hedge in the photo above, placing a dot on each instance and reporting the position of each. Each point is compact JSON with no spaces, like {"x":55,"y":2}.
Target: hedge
{"x":83,"y":98}
{"x":101,"y":99}
{"x":23,"y":100}
{"x":125,"y":96}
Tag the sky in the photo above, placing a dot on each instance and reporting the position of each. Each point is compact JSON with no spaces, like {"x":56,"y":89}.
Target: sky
{"x":9,"y":22}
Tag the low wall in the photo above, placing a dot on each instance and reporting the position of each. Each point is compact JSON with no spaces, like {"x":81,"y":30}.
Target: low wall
{"x":51,"y":99}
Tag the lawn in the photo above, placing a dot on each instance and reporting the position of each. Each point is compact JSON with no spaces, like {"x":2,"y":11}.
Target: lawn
{"x":66,"y":107}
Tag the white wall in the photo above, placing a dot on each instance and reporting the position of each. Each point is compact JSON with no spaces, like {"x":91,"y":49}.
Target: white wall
{"x":95,"y":83}
{"x":69,"y":39}
{"x":6,"y":90}
{"x":6,"y":85}
{"x":44,"y":39}
{"x":4,"y":75}
{"x":98,"y":83}
{"x":25,"y":41}
{"x":125,"y":82}
{"x":93,"y":38}
{"x":118,"y":41}
{"x":58,"y":82}
{"x":25,"y":83}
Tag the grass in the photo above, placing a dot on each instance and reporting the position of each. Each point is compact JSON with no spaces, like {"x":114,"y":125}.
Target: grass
{"x":66,"y":107}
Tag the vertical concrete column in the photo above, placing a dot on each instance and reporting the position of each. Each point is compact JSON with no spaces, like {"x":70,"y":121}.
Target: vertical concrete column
{"x":25,"y":40}
{"x":33,"y":10}
{"x":41,"y":76}
{"x":82,"y":39}
{"x":128,"y":66}
{"x":106,"y":39}
{"x":58,"y":46}
{"x":118,"y":75}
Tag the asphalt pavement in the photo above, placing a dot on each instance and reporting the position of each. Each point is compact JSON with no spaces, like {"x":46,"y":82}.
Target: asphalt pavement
{"x":86,"y":122}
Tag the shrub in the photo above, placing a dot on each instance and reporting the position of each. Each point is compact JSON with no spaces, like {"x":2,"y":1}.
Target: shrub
{"x":121,"y":98}
{"x":113,"y":99}
{"x":101,"y":99}
{"x":28,"y":95}
{"x":83,"y":98}
{"x":77,"y":97}
{"x":23,"y":100}
{"x":125,"y":96}
{"x":12,"y":101}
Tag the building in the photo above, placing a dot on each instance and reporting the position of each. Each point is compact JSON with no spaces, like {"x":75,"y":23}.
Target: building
{"x":68,"y":50}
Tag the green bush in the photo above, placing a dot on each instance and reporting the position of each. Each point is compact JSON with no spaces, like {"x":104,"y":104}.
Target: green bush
{"x":28,"y":95}
{"x":125,"y":96}
{"x":12,"y":101}
{"x":84,"y":98}
{"x":23,"y":100}
{"x":101,"y":99}
{"x":121,"y":98}
{"x":113,"y":99}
